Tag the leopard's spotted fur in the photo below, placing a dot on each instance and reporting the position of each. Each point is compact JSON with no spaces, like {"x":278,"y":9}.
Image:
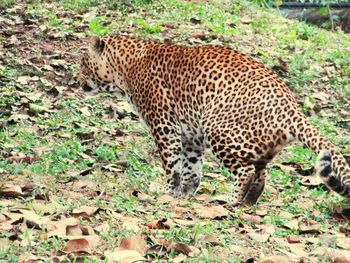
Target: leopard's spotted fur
{"x":208,"y":96}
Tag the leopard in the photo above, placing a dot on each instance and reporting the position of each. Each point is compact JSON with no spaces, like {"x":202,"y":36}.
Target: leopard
{"x":208,"y":98}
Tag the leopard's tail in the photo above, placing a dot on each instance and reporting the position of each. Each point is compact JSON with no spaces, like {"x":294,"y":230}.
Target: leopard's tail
{"x":331,"y":165}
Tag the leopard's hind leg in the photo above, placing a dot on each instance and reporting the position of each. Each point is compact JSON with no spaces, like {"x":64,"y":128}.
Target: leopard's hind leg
{"x":256,"y":188}
{"x":192,"y":167}
{"x":237,"y":161}
{"x":242,"y":172}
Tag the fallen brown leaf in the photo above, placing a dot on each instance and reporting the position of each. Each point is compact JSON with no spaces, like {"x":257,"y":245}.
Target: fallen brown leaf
{"x":311,"y":181}
{"x":261,"y":212}
{"x":93,"y":240}
{"x":292,"y":224}
{"x":215,"y":176}
{"x":259,"y":237}
{"x":85,"y":211}
{"x":293,"y":239}
{"x":286,"y":215}
{"x":4,"y":243}
{"x":178,"y":247}
{"x":77,"y":246}
{"x":47,"y":208}
{"x":250,"y":218}
{"x":158,"y":250}
{"x":74,"y":230}
{"x":165,"y":199}
{"x":239,"y":249}
{"x":124,"y":256}
{"x":179,"y":258}
{"x":160,"y":224}
{"x":2,"y":218}
{"x":195,"y":20}
{"x":184,"y":222}
{"x":310,"y":228}
{"x":142,"y":196}
{"x":212,"y":240}
{"x":59,"y":228}
{"x":211,"y":212}
{"x":180,"y":211}
{"x":28,"y":257}
{"x":203,"y":197}
{"x":136,"y":243}
{"x":298,"y":249}
{"x":274,"y":259}
{"x":343,"y":242}
{"x":10,"y":190}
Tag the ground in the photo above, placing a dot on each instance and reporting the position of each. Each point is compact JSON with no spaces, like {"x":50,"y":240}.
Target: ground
{"x":79,"y":175}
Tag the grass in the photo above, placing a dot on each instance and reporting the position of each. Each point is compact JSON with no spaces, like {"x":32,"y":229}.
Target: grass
{"x":83,"y":156}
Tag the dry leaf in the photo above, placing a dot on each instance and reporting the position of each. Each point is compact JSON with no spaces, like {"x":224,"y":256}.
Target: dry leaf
{"x":203,"y":197}
{"x":313,"y":240}
{"x":28,"y":257}
{"x":33,"y":219}
{"x":259,"y":237}
{"x":59,"y":228}
{"x":178,"y":247}
{"x":179,"y":258}
{"x":195,"y":20}
{"x":311,"y":181}
{"x":267,"y":229}
{"x":94,"y":240}
{"x":77,"y":246}
{"x":142,"y":196}
{"x":160,"y":224}
{"x":158,"y":250}
{"x":286,"y":215}
{"x":2,"y":218}
{"x":343,"y":242}
{"x":211,"y":212}
{"x":124,"y":256}
{"x":215,"y":176}
{"x":103,"y":228}
{"x":85,"y":111}
{"x":180,"y":211}
{"x":261,"y":212}
{"x":4,"y":243}
{"x":185,"y":222}
{"x":239,"y":249}
{"x":298,"y":249}
{"x":131,"y":225}
{"x":47,"y":208}
{"x":74,"y":230}
{"x":250,"y":218}
{"x":310,"y":229}
{"x":195,"y":251}
{"x":10,"y":190}
{"x":85,"y":211}
{"x":292,"y":239}
{"x":292,"y":224}
{"x":136,"y":243}
{"x":6,"y":226}
{"x":165,"y":199}
{"x":212,"y":240}
{"x":274,"y":259}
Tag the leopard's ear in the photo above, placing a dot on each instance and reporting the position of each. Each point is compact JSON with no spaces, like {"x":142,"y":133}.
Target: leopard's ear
{"x":97,"y":45}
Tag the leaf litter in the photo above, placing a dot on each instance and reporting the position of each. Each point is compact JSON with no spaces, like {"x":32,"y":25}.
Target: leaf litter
{"x":95,"y":209}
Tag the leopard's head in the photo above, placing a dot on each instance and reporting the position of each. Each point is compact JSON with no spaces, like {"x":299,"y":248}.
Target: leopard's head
{"x":96,"y":71}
